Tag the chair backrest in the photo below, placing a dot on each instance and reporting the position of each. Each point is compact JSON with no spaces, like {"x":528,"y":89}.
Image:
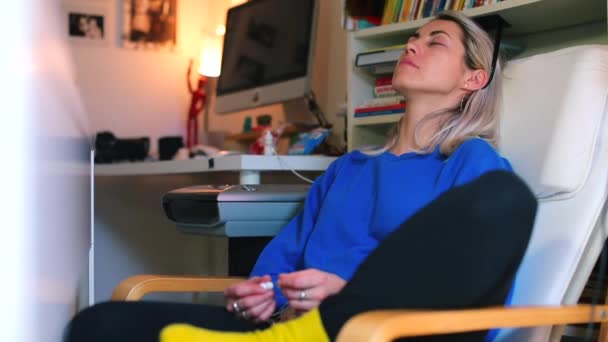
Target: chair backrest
{"x":554,"y":131}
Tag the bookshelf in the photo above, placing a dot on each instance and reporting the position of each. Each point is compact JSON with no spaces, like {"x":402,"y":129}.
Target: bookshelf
{"x":377,"y":120}
{"x":538,"y":25}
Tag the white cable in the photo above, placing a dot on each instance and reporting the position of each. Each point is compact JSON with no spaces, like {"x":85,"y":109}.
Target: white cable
{"x":285,"y":167}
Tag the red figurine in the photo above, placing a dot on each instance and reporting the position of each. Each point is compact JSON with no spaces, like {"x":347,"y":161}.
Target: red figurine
{"x":196,"y":105}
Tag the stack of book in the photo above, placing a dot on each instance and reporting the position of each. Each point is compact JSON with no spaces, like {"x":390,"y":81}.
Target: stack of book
{"x":385,"y":101}
{"x":380,"y":61}
{"x":406,"y":10}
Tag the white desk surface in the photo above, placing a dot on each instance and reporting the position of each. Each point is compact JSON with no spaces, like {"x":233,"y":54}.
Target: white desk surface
{"x":243,"y":162}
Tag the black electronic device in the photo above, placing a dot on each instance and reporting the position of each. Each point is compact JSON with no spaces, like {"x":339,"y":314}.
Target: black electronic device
{"x":234,"y":210}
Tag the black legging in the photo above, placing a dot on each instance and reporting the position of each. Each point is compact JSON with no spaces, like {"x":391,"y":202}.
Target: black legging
{"x":460,"y":251}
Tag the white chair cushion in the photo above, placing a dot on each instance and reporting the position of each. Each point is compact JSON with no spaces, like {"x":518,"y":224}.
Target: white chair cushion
{"x":552,"y":104}
{"x":555,"y":132}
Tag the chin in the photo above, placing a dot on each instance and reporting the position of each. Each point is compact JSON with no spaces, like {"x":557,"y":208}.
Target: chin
{"x":404,"y":88}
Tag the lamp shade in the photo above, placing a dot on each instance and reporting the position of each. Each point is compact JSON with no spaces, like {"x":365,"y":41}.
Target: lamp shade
{"x":212,"y":40}
{"x":211,"y":53}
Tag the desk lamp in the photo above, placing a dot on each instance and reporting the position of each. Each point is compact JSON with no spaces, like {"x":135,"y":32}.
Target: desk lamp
{"x":210,"y":64}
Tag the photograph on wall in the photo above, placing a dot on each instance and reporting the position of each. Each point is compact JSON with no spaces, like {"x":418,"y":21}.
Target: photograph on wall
{"x":87,"y":21}
{"x":150,"y":24}
{"x":86,"y":25}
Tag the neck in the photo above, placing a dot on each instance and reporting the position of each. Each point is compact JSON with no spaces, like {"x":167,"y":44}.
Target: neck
{"x":416,"y":109}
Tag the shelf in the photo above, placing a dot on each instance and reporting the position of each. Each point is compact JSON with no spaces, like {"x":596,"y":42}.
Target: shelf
{"x":377,"y":120}
{"x":241,"y":162}
{"x":536,"y":26}
{"x":152,"y":168}
{"x":525,"y":17}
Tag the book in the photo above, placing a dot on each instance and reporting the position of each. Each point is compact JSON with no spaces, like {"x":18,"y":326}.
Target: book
{"x":389,"y":112}
{"x":405,"y":10}
{"x":419,"y":9}
{"x":383,"y":55}
{"x":380,"y":68}
{"x":383,"y":101}
{"x":396,"y":11}
{"x":380,"y":110}
{"x":384,"y":80}
{"x":399,"y":105}
{"x":387,"y":15}
{"x":385,"y":90}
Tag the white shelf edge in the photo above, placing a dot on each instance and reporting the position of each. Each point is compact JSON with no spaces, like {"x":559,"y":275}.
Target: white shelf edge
{"x":377,"y":120}
{"x":410,"y":25}
{"x":226,"y":163}
{"x":152,"y":167}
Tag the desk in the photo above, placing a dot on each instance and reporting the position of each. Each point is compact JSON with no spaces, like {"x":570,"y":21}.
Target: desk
{"x":131,"y":234}
{"x":249,"y":167}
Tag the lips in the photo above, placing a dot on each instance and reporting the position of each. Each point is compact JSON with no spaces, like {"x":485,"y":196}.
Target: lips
{"x":406,"y":61}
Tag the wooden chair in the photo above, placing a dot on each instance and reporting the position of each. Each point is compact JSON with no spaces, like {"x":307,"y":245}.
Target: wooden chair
{"x":555,"y":132}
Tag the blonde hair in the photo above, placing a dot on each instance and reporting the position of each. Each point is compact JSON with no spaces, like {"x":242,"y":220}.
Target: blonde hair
{"x":477,"y":114}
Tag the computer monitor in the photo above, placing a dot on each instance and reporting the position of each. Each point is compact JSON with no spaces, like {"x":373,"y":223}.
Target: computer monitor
{"x":268,"y":51}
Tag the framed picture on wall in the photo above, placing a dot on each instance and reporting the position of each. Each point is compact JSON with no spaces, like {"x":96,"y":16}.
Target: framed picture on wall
{"x":88,"y":21}
{"x":149,"y":24}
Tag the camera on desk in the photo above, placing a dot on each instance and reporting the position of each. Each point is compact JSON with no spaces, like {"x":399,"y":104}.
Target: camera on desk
{"x":109,"y":149}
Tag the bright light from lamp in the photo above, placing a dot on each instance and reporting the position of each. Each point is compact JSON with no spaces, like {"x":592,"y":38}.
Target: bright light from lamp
{"x":211,"y":61}
{"x":220,"y":30}
{"x":211,"y":53}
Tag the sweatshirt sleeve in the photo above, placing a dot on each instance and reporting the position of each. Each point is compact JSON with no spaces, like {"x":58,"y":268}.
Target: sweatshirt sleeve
{"x":284,"y":252}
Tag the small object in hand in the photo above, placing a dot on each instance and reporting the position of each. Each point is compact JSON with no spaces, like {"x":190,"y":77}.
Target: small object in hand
{"x":267,"y":285}
{"x":302,"y":295}
{"x":235,"y":306}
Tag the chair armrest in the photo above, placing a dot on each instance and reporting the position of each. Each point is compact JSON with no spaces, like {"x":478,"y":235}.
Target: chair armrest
{"x":377,"y":326}
{"x":135,"y":287}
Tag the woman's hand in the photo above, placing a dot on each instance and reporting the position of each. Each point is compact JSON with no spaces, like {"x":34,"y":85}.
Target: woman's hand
{"x":306,"y":289}
{"x":250,"y":299}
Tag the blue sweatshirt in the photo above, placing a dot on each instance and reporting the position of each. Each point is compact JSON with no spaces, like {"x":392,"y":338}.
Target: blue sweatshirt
{"x":361,"y":199}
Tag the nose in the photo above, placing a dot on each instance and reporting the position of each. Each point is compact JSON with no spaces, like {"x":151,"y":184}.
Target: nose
{"x":411,"y":48}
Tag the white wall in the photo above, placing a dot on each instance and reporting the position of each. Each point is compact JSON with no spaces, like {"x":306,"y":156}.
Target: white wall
{"x":139,"y":93}
{"x":44,"y":176}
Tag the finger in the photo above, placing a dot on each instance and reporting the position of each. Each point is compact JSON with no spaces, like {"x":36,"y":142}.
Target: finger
{"x":243,"y":303}
{"x":316,"y":293}
{"x":304,"y":305}
{"x":301,"y":280}
{"x":246,"y":288}
{"x":265,"y":315}
{"x":230,"y":306}
{"x":248,"y":302}
{"x":254,"y":312}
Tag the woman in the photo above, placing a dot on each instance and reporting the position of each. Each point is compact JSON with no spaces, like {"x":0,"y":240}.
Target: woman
{"x":460,"y":251}
{"x":444,"y":141}
{"x":442,"y":74}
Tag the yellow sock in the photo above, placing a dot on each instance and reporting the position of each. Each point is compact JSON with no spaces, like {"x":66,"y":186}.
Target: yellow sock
{"x":303,"y":329}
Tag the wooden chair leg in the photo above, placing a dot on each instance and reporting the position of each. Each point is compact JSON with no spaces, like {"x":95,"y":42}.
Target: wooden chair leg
{"x":604,"y":327}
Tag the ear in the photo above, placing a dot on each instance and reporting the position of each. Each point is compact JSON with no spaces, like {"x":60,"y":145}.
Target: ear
{"x":476,"y":79}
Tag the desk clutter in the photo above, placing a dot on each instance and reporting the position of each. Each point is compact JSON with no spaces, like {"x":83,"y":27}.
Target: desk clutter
{"x":112,"y":149}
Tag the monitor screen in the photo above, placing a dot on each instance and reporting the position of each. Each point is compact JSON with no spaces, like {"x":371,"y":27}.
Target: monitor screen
{"x":267,"y":42}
